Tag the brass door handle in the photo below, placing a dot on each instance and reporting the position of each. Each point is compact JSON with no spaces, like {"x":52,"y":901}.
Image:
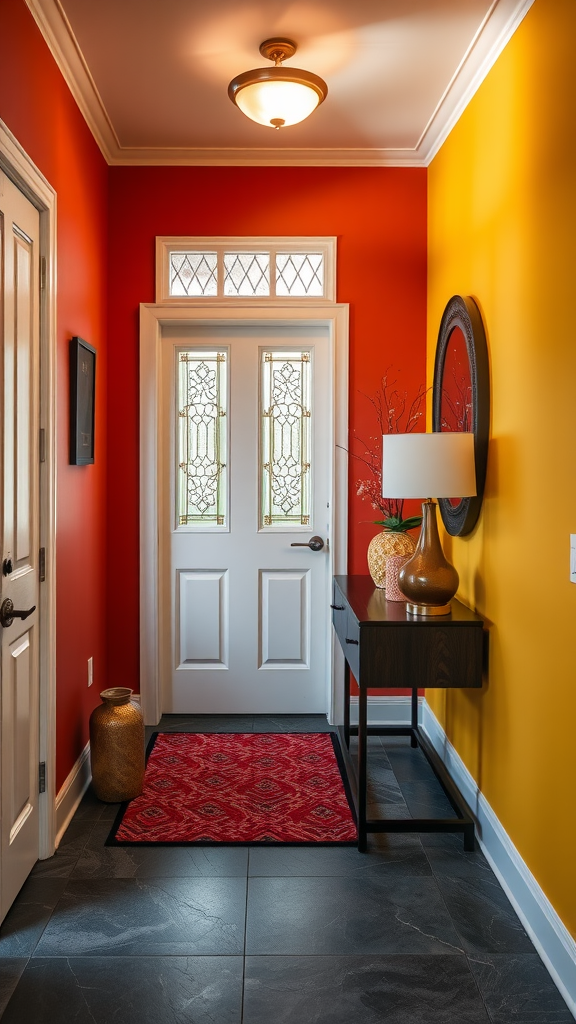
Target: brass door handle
{"x":8,"y":613}
{"x":315,"y":544}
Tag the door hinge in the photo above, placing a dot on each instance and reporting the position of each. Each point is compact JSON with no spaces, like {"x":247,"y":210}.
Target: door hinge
{"x":42,"y":565}
{"x":42,"y":444}
{"x":42,"y":777}
{"x":43,"y":272}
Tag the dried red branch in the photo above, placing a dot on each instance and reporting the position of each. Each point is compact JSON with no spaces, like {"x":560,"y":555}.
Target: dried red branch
{"x":393,"y":417}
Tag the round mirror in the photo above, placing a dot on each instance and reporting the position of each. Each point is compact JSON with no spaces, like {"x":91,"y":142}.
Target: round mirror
{"x":461,"y":401}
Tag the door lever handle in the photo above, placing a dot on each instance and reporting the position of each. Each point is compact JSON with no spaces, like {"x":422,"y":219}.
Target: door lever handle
{"x":315,"y":544}
{"x":8,"y":613}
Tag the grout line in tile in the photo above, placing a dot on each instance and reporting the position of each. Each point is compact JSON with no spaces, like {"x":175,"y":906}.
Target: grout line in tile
{"x":245,"y":938}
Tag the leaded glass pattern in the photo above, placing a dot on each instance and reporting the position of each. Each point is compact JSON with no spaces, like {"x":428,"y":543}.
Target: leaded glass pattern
{"x":300,"y":273}
{"x":194,"y":273}
{"x":247,"y":273}
{"x":286,"y":432}
{"x":202,"y":438}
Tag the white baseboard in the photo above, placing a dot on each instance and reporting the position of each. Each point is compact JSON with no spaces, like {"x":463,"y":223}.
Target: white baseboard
{"x":386,"y":710}
{"x":549,"y":935}
{"x":72,"y":791}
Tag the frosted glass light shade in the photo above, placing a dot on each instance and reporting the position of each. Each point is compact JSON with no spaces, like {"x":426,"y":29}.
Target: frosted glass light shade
{"x":439,"y":465}
{"x":265,"y":102}
{"x":277,"y":97}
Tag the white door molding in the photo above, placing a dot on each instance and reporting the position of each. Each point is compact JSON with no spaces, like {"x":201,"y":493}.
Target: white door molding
{"x":17,"y":165}
{"x":154,"y":317}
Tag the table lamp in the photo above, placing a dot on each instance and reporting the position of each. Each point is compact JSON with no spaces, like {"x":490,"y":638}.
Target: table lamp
{"x":415,"y":465}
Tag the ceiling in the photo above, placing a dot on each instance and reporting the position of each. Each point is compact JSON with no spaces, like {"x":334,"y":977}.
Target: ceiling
{"x":151,"y":76}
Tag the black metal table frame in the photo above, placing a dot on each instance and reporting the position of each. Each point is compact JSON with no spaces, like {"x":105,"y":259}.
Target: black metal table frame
{"x":358,"y":779}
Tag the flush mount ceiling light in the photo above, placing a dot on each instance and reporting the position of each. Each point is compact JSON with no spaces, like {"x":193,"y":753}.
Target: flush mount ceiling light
{"x":277,"y":96}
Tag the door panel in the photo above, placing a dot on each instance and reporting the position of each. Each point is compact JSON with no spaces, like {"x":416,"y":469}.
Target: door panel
{"x":25,"y":340}
{"x":202,"y":620}
{"x":19,"y":510}
{"x":18,"y":704}
{"x":285,"y":619}
{"x":247,"y":437}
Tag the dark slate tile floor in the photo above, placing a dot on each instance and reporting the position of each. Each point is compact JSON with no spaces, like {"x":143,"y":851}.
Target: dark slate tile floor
{"x":416,"y":931}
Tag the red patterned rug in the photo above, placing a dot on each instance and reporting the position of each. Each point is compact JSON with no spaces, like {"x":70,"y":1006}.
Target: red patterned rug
{"x":239,"y":788}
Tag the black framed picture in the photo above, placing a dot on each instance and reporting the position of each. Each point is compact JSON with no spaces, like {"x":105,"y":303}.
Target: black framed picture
{"x":82,"y":393}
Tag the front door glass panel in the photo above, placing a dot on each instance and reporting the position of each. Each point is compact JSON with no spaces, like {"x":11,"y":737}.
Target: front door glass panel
{"x":201,"y":473}
{"x":286,"y":437}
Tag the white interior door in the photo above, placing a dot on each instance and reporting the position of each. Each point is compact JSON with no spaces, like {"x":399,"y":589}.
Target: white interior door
{"x":247,"y":437}
{"x":19,"y":509}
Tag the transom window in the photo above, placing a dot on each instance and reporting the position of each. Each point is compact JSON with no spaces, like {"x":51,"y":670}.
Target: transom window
{"x":263,"y":269}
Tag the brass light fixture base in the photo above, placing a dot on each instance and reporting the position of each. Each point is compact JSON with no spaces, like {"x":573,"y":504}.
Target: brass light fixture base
{"x":278,"y":49}
{"x":262,"y":93}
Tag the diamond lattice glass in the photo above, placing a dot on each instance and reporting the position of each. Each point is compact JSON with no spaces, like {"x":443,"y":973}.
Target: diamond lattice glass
{"x":246,"y":273}
{"x":286,"y":431}
{"x":300,"y":273}
{"x":193,"y":273}
{"x":202,"y":438}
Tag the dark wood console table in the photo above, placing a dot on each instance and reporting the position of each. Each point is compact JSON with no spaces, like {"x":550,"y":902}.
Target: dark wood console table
{"x":385,"y":648}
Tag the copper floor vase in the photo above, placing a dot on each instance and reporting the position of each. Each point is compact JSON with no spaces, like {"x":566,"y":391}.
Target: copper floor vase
{"x":117,"y":747}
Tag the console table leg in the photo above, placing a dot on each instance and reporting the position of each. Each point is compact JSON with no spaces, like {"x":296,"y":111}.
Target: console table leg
{"x":414,"y":717}
{"x":347,"y":704}
{"x":469,"y":838}
{"x":362,"y":767}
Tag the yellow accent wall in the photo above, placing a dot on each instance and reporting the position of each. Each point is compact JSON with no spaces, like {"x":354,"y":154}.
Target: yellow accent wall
{"x":502,"y":228}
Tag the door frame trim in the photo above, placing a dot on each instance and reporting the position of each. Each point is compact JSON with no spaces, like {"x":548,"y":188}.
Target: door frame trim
{"x":22,"y":171}
{"x":153,"y":317}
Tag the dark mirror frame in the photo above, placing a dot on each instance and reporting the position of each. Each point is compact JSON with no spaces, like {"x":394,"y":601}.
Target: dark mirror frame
{"x":462,"y":311}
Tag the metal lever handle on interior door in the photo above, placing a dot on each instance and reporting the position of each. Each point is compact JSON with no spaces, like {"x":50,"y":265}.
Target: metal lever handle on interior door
{"x":8,"y":613}
{"x":315,"y":544}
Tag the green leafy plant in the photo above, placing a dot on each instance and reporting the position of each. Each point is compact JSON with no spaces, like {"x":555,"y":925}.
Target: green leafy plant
{"x":395,"y":525}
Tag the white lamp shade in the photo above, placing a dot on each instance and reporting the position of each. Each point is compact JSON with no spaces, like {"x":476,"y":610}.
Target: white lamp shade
{"x":265,"y":102}
{"x":439,"y":465}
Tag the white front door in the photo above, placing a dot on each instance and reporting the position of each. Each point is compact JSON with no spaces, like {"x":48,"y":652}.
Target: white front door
{"x":19,"y":531}
{"x":248,"y":451}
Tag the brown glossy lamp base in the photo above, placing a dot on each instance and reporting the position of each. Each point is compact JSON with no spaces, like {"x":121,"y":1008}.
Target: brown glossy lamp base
{"x":428,"y":581}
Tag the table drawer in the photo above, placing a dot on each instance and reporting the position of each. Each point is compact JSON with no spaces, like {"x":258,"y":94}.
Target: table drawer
{"x":347,"y":629}
{"x":339,"y":613}
{"x":351,"y":643}
{"x":422,"y":656}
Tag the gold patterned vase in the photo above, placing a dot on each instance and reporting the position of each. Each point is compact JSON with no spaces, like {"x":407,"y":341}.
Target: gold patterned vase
{"x":117,"y":746}
{"x":381,"y":546}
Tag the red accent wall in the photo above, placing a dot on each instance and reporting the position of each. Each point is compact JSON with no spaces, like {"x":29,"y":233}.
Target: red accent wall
{"x":379,"y":216}
{"x":39,"y":110}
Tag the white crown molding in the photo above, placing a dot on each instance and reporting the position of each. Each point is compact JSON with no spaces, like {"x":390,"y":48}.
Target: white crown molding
{"x":493,"y":35}
{"x":549,"y":934}
{"x":61,"y":41}
{"x":496,"y":30}
{"x":268,"y":157}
